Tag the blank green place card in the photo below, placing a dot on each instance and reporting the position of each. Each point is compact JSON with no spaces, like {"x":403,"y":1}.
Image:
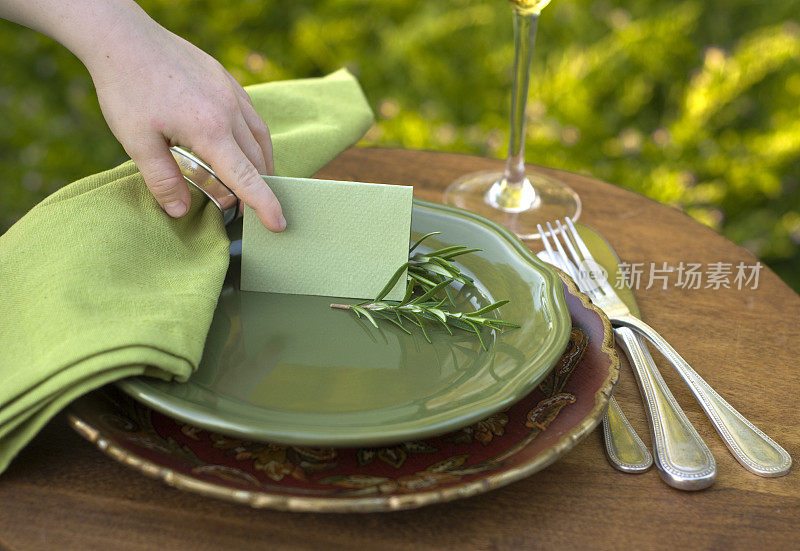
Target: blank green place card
{"x":342,"y":239}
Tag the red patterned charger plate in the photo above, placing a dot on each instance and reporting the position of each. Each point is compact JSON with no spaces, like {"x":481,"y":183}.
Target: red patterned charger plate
{"x":505,"y":447}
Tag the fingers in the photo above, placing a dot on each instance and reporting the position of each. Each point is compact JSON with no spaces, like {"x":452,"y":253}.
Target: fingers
{"x":259,"y":130}
{"x":249,"y":146}
{"x":163,"y":177}
{"x":235,"y":168}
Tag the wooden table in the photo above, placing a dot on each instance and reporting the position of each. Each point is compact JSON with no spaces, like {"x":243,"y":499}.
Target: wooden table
{"x":61,"y":492}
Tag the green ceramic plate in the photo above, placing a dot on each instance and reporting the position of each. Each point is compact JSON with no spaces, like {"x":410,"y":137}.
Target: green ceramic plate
{"x":288,"y":369}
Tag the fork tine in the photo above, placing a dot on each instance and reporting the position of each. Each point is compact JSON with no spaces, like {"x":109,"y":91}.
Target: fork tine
{"x":584,"y":266}
{"x":579,"y":240}
{"x":573,"y":268}
{"x":575,"y":256}
{"x":573,"y":259}
{"x":603,"y":284}
{"x":546,"y":242}
{"x":555,"y":258}
{"x":570,"y":267}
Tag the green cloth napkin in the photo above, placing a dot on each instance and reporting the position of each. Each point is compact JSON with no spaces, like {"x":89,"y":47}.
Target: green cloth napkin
{"x":97,"y":283}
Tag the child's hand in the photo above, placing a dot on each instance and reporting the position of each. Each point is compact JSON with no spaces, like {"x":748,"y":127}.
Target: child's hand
{"x":157,"y":90}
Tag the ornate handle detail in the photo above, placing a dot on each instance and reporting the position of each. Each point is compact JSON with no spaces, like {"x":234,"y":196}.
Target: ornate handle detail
{"x":757,"y":452}
{"x":626,"y":451}
{"x":682,"y":458}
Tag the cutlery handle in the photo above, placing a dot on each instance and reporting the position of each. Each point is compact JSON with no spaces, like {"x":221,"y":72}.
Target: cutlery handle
{"x":756,"y":451}
{"x":682,"y":458}
{"x":626,"y":451}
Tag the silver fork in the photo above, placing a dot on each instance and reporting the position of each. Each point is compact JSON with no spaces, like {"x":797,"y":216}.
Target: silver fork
{"x":756,"y":451}
{"x":625,"y":450}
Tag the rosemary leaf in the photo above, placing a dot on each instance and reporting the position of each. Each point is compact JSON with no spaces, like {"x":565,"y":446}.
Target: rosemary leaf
{"x":489,"y":308}
{"x":421,"y":239}
{"x":459,"y":253}
{"x":430,"y":280}
{"x":366,"y":314}
{"x":392,"y":281}
{"x":430,"y":292}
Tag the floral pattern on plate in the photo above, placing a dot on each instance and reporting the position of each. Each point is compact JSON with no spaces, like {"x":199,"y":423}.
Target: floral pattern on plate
{"x":505,"y":446}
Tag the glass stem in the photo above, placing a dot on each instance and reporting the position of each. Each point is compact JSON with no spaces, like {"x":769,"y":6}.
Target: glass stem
{"x":524,"y":36}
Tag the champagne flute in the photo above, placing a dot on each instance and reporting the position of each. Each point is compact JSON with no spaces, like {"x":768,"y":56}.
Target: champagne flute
{"x":514,"y":198}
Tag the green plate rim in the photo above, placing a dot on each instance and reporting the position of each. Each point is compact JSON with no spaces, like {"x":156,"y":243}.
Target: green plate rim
{"x":553,"y":300}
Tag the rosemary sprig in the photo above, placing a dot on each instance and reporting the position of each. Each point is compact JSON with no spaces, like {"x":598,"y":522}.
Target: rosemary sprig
{"x":429,"y":276}
{"x":435,"y":267}
{"x":427,"y":270}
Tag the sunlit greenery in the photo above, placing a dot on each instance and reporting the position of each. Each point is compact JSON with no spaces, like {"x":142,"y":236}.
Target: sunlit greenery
{"x":694,"y":103}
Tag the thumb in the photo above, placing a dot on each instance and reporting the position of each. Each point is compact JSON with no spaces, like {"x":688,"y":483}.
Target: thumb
{"x":163,"y":178}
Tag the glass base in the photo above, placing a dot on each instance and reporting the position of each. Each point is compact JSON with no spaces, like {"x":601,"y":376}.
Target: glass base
{"x":544,"y":200}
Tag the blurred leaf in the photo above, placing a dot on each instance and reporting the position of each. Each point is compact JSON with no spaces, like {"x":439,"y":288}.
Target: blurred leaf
{"x":695,"y":104}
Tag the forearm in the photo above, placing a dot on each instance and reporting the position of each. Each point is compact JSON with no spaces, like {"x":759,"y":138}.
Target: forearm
{"x":80,"y":25}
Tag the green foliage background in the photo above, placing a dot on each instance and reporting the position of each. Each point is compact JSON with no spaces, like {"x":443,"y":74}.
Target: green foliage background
{"x":694,"y":103}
